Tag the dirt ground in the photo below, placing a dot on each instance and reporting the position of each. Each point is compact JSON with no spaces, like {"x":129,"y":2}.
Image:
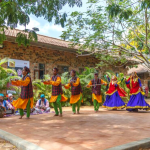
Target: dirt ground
{"x":86,"y":131}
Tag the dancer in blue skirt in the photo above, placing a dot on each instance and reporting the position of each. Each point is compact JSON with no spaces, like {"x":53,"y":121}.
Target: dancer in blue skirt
{"x":113,"y":95}
{"x":136,"y":94}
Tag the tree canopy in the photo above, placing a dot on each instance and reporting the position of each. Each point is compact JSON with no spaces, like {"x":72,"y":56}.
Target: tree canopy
{"x":115,"y":33}
{"x":14,"y":12}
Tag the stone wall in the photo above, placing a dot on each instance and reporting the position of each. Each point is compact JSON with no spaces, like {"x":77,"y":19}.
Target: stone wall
{"x":51,"y":58}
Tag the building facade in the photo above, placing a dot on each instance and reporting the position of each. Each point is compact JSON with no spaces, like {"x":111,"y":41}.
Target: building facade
{"x":48,"y":53}
{"x":143,"y":73}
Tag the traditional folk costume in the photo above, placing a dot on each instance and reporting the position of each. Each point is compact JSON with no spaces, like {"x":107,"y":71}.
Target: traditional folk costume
{"x":76,"y":93}
{"x":136,"y":95}
{"x":96,"y":92}
{"x":25,"y":101}
{"x":113,"y":96}
{"x":57,"y":93}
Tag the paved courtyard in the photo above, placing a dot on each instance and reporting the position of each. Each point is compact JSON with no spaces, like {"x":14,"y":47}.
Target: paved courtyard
{"x":86,"y":131}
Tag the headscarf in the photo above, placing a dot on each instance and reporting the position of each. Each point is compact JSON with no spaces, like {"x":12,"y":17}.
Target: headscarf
{"x":1,"y":94}
{"x":132,"y":79}
{"x":42,"y":96}
{"x":136,"y":74}
{"x":114,"y":77}
{"x":27,"y":69}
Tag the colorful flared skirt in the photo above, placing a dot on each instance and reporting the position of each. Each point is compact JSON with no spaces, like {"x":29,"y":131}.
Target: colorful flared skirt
{"x":137,"y":102}
{"x":114,"y":101}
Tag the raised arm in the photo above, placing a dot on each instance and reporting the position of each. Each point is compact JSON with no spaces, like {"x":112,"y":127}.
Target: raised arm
{"x":140,"y":82}
{"x":21,"y":82}
{"x":127,"y":81}
{"x":67,"y":86}
{"x":57,"y":82}
{"x":103,"y":82}
{"x":108,"y":79}
{"x":90,"y":83}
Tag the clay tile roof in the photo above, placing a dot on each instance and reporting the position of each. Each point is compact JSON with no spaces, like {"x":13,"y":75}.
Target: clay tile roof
{"x":41,"y":38}
{"x":139,"y":69}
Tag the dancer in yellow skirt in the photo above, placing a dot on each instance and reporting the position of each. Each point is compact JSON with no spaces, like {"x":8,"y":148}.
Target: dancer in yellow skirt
{"x":57,"y":93}
{"x":26,"y":98}
{"x":96,"y":91}
{"x":76,"y":92}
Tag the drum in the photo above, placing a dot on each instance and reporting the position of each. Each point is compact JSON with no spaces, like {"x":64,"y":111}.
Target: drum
{"x":2,"y":111}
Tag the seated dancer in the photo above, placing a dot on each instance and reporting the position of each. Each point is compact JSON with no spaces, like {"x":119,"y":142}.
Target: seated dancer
{"x":26,"y":97}
{"x":76,"y":92}
{"x":96,"y":91}
{"x":57,"y":93}
{"x":5,"y":103}
{"x":136,"y":94}
{"x":114,"y":94}
{"x":42,"y":105}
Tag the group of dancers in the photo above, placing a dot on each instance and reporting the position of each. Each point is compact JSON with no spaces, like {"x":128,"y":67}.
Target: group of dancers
{"x":113,"y":100}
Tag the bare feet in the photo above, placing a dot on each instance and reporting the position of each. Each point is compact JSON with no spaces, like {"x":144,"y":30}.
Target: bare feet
{"x":21,"y":117}
{"x":74,"y":113}
{"x":56,"y":115}
{"x":60,"y":115}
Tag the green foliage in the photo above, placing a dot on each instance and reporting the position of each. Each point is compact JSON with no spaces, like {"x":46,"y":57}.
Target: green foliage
{"x":24,"y":38}
{"x":115,"y":33}
{"x":17,"y":12}
{"x":2,"y":34}
{"x":67,"y":93}
{"x":4,"y":74}
{"x":41,"y":88}
{"x":17,"y":90}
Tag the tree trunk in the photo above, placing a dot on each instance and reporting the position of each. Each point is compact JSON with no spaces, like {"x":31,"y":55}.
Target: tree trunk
{"x":146,"y":26}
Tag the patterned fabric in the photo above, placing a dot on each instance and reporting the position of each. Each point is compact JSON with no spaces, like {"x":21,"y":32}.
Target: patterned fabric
{"x":27,"y":91}
{"x":97,"y":88}
{"x":75,"y":90}
{"x":56,"y":90}
{"x":134,"y":85}
{"x":6,"y":104}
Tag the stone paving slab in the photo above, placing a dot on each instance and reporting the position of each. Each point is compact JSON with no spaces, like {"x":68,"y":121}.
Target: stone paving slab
{"x":86,"y":131}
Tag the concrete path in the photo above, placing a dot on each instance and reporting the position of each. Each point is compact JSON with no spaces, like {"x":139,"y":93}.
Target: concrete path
{"x":5,"y":145}
{"x":86,"y":131}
